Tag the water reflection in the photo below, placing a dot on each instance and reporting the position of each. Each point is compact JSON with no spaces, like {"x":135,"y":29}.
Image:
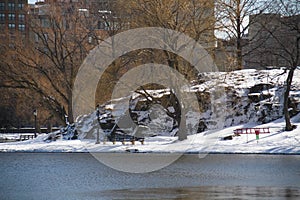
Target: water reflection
{"x":72,"y":176}
{"x":203,"y":192}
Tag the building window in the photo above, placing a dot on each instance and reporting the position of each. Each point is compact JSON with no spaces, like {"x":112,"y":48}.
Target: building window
{"x":21,"y":6}
{"x":21,"y":17}
{"x":12,"y":46}
{"x":2,"y":6}
{"x":45,"y":23}
{"x":2,"y":16}
{"x":11,"y":6}
{"x":100,"y":25}
{"x":11,"y":26}
{"x":2,"y":26}
{"x":36,"y":38}
{"x":104,"y":25}
{"x":21,"y":27}
{"x":11,"y":17}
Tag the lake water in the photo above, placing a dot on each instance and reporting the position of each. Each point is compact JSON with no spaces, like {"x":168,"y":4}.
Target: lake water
{"x":217,"y":176}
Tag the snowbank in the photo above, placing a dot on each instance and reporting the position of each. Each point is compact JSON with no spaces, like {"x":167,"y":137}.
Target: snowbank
{"x":277,"y":142}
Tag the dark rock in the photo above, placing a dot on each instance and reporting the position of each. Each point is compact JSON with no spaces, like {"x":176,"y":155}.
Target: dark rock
{"x":132,"y":150}
{"x":260,"y":87}
{"x":229,"y":137}
{"x":201,"y":126}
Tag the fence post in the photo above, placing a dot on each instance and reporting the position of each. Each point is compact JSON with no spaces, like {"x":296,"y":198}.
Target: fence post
{"x":257,"y":135}
{"x":35,"y":122}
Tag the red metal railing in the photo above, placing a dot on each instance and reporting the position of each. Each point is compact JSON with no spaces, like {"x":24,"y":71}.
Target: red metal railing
{"x":251,"y":130}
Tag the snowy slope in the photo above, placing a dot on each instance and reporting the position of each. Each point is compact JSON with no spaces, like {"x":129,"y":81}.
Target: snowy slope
{"x":251,"y":99}
{"x":251,"y":95}
{"x":226,"y":99}
{"x":277,"y":142}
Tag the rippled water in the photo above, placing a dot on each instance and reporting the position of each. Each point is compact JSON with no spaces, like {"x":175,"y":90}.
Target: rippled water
{"x":217,"y":176}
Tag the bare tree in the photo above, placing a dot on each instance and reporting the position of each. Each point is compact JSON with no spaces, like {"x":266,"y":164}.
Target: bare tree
{"x":47,"y":64}
{"x":288,"y":46}
{"x":111,"y":19}
{"x":194,"y":18}
{"x":232,"y":21}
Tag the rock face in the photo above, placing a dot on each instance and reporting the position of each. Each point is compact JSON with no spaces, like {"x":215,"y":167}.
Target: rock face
{"x":225,"y":99}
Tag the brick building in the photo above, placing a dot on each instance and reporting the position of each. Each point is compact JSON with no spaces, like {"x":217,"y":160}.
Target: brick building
{"x":13,"y":20}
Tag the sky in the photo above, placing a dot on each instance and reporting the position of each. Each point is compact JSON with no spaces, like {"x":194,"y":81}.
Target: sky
{"x":32,"y":1}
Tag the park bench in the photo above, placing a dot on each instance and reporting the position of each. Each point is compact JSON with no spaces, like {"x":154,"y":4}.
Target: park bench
{"x":251,"y":131}
{"x":125,"y":138}
{"x":26,"y":136}
{"x":255,"y":131}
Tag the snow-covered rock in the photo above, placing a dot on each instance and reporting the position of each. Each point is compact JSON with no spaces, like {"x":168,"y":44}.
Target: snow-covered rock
{"x":225,"y":99}
{"x":250,"y":96}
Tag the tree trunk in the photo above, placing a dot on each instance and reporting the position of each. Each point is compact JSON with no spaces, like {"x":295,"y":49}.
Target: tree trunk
{"x":70,"y":108}
{"x":239,"y":56}
{"x":288,"y":124}
{"x":182,"y":132}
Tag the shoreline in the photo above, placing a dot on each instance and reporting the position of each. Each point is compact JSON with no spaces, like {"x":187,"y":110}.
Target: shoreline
{"x":148,"y":152}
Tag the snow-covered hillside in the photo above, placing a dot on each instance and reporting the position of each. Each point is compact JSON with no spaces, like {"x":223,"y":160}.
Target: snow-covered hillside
{"x":251,"y":95}
{"x":225,"y":100}
{"x":245,"y":98}
{"x":277,"y":142}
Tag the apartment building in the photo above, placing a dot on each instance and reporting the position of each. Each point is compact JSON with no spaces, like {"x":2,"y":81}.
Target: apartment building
{"x":272,"y":41}
{"x":13,"y":20}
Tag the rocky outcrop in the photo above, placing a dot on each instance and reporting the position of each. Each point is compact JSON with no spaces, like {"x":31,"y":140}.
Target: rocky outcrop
{"x":225,"y":99}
